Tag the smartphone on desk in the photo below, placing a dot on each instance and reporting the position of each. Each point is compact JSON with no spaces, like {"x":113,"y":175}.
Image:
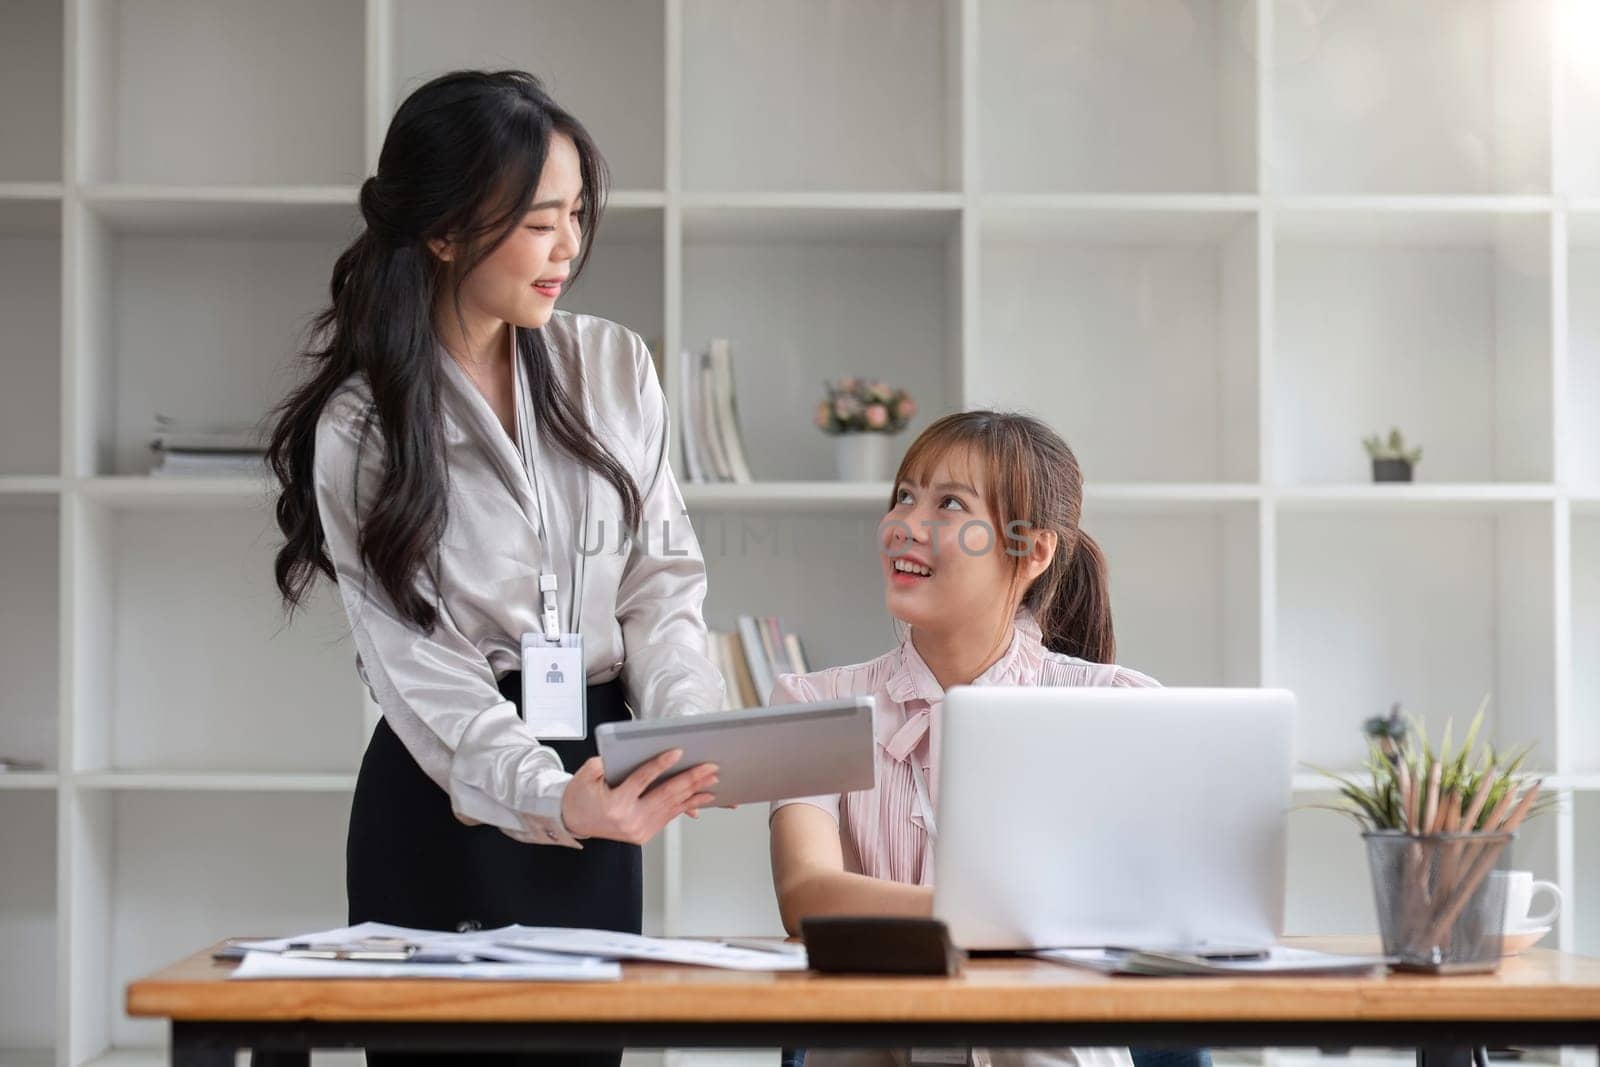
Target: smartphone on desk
{"x":1208,"y":951}
{"x":373,"y":949}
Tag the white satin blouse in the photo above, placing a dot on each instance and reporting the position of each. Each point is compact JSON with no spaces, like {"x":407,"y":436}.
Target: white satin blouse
{"x":639,"y":608}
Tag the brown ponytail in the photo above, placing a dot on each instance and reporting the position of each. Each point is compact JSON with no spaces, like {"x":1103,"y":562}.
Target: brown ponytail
{"x":1034,"y":485}
{"x":1071,"y":601}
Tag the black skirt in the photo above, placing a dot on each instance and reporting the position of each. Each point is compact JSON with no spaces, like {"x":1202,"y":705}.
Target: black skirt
{"x":410,"y":862}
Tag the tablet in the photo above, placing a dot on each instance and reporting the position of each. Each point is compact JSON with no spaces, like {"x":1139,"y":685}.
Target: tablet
{"x":790,"y":750}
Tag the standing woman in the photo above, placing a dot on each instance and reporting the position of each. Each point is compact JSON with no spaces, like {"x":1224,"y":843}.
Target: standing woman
{"x":486,"y":480}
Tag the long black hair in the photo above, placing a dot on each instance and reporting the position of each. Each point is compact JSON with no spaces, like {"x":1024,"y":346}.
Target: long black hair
{"x":461,"y":162}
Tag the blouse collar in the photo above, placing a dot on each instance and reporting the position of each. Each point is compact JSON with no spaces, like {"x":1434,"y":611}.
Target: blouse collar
{"x":472,"y":410}
{"x":911,"y":679}
{"x":906,"y":722}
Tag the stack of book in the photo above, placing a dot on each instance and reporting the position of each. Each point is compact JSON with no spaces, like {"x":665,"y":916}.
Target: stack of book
{"x":207,"y":450}
{"x":752,"y":656}
{"x":713,"y":449}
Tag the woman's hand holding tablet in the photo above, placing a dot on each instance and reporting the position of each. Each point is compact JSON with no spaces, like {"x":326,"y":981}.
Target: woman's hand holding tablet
{"x":632,"y":810}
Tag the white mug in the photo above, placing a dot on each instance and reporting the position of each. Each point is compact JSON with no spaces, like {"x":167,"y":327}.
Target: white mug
{"x":1520,"y":891}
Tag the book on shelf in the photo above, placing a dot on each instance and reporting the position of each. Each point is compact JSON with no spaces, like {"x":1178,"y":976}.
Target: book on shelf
{"x":752,"y":656}
{"x":207,"y":449}
{"x":713,"y":446}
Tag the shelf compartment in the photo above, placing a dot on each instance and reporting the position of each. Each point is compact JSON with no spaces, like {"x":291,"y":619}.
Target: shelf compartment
{"x":822,"y":564}
{"x":140,"y":492}
{"x":268,"y":213}
{"x":1582,"y":906}
{"x":256,"y":695}
{"x":790,"y":95}
{"x":1378,"y":498}
{"x":1329,"y":882}
{"x":29,"y":613}
{"x":807,"y":294}
{"x":30,"y":350}
{"x":614,"y":90}
{"x":31,"y":54}
{"x":1086,"y":316}
{"x":172,"y":875}
{"x":29,"y":781}
{"x":27,"y":924}
{"x":785,"y":496}
{"x":1537,"y":849}
{"x":825,"y":563}
{"x":1105,"y":497}
{"x":1432,"y":96}
{"x":29,"y":486}
{"x":764,"y":208}
{"x":1577,"y":54}
{"x":622,"y":281}
{"x":1583,"y":736}
{"x":1431,"y":609}
{"x":215,"y":782}
{"x":820,"y":219}
{"x":1582,"y":395}
{"x":199,"y":324}
{"x":1056,"y":81}
{"x":1206,"y":558}
{"x":1435,"y":321}
{"x":167,"y":85}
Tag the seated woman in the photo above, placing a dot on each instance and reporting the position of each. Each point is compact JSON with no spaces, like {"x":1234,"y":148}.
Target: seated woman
{"x":986,"y":566}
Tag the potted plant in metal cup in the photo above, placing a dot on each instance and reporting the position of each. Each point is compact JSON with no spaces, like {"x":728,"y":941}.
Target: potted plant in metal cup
{"x":1437,"y":825}
{"x":1391,"y":460}
{"x":863,"y":415}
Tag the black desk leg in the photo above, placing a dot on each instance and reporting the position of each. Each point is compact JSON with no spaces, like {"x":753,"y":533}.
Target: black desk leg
{"x":1446,"y":1056}
{"x":198,"y":1045}
{"x":201,"y":1057}
{"x":192,"y":1047}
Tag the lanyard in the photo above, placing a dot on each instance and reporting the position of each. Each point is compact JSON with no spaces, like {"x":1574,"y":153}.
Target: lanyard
{"x":924,"y":799}
{"x":550,"y":618}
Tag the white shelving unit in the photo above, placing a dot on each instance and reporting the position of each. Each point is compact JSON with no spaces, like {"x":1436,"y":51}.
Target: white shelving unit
{"x":1215,"y":242}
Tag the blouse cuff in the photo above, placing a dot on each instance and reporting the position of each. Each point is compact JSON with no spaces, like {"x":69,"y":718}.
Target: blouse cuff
{"x":502,"y":776}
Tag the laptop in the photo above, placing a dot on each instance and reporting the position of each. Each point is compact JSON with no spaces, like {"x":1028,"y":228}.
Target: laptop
{"x":1100,"y":817}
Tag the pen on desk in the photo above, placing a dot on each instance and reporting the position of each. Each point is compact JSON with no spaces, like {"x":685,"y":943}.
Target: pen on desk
{"x":779,"y":948}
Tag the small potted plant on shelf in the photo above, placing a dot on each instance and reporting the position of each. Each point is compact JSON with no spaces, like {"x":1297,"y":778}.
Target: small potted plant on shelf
{"x":863,"y":415}
{"x":1391,"y":460}
{"x":1437,"y":825}
{"x":1388,"y":732}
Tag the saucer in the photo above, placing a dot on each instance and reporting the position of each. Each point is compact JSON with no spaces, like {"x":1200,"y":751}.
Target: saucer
{"x":1514,"y":941}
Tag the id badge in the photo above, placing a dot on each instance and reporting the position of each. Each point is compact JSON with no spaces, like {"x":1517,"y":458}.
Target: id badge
{"x":554,"y":688}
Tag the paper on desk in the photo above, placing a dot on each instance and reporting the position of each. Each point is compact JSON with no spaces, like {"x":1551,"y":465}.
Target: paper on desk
{"x":1280,"y":960}
{"x":570,"y":969}
{"x":473,"y":945}
{"x":619,"y":946}
{"x":552,"y":944}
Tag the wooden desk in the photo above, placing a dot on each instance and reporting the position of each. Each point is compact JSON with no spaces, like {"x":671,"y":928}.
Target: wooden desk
{"x":1541,"y":998}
